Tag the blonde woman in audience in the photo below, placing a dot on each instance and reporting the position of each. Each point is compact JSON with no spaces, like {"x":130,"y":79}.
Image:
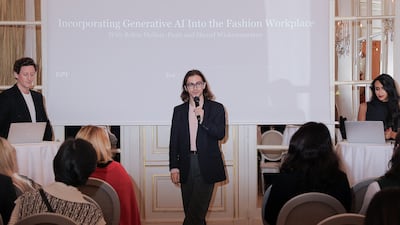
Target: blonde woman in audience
{"x":8,"y":167}
{"x":74,"y":162}
{"x":113,"y":173}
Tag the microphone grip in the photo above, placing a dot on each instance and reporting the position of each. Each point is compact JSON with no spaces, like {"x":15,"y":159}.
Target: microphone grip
{"x":197,"y":103}
{"x":198,"y":118}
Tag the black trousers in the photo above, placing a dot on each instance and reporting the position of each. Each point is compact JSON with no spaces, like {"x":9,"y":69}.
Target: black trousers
{"x":196,"y":195}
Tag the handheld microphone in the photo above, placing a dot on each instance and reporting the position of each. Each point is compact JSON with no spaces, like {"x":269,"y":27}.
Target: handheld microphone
{"x":197,"y":103}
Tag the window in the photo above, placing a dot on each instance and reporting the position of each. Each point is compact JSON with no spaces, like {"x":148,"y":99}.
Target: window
{"x":20,"y":30}
{"x":364,"y":32}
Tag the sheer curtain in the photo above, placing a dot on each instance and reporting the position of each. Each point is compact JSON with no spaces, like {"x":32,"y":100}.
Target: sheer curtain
{"x":17,"y":37}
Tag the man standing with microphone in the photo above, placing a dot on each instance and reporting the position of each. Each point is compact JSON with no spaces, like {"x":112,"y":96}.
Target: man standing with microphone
{"x":195,"y":159}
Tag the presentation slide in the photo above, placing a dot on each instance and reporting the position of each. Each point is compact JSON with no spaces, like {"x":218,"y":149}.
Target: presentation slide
{"x":122,"y":62}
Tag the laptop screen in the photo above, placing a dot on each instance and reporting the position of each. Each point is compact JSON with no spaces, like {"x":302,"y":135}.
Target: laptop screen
{"x":365,"y":132}
{"x":26,"y":132}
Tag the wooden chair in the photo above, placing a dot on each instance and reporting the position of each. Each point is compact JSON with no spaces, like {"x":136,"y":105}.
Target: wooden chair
{"x":309,"y":208}
{"x":270,"y":158}
{"x":344,"y":219}
{"x":46,"y":219}
{"x":105,"y":196}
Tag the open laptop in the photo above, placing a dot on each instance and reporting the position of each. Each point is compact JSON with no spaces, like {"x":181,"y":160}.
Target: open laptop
{"x":365,"y":132}
{"x":26,"y":132}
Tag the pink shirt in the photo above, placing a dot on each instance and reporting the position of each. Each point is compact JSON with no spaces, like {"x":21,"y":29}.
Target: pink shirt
{"x":193,"y":125}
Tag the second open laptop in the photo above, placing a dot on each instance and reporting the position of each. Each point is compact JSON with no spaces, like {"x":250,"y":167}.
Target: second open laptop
{"x":26,"y":132}
{"x":365,"y":132}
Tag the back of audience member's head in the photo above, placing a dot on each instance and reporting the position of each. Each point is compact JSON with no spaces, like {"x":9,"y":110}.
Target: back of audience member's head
{"x":8,"y":164}
{"x":311,"y":152}
{"x":74,"y":162}
{"x":384,"y":208}
{"x":98,"y":137}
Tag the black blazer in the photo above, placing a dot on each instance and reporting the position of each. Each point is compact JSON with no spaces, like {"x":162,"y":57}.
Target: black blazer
{"x":209,"y":132}
{"x":14,"y":109}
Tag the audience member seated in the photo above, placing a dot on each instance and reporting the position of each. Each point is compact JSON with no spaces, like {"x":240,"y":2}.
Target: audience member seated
{"x":9,"y":167}
{"x":72,"y":165}
{"x":311,"y":165}
{"x":112,"y":137}
{"x":7,"y":197}
{"x":113,"y":173}
{"x":383,"y":106}
{"x":21,"y":103}
{"x":384,"y":208}
{"x":114,"y":144}
{"x":390,"y":179}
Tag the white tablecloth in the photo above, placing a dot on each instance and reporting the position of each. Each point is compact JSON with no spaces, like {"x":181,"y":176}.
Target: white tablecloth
{"x":35,"y":160}
{"x":361,"y":161}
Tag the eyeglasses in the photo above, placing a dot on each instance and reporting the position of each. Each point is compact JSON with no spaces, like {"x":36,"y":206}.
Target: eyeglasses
{"x":196,"y":85}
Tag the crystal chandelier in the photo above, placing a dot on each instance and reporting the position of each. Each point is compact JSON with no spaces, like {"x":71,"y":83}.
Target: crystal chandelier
{"x":388,"y":28}
{"x":342,"y":38}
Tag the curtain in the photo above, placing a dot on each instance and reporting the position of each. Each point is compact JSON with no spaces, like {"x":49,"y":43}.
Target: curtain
{"x":12,"y":38}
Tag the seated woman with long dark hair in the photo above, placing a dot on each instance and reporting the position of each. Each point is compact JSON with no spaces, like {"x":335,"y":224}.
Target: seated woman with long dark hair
{"x":311,"y":165}
{"x":383,"y":105}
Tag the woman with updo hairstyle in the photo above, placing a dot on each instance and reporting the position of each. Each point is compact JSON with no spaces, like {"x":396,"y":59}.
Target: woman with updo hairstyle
{"x":74,"y":162}
{"x":73,"y":166}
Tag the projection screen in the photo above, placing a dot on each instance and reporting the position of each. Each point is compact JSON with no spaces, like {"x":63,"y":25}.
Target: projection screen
{"x":122,"y":62}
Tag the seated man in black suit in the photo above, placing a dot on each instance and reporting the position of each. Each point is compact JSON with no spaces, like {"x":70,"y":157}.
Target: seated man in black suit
{"x":20,"y":103}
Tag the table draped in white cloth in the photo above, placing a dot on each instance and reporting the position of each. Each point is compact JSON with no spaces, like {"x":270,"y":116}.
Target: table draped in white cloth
{"x":35,"y":160}
{"x":361,"y":161}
